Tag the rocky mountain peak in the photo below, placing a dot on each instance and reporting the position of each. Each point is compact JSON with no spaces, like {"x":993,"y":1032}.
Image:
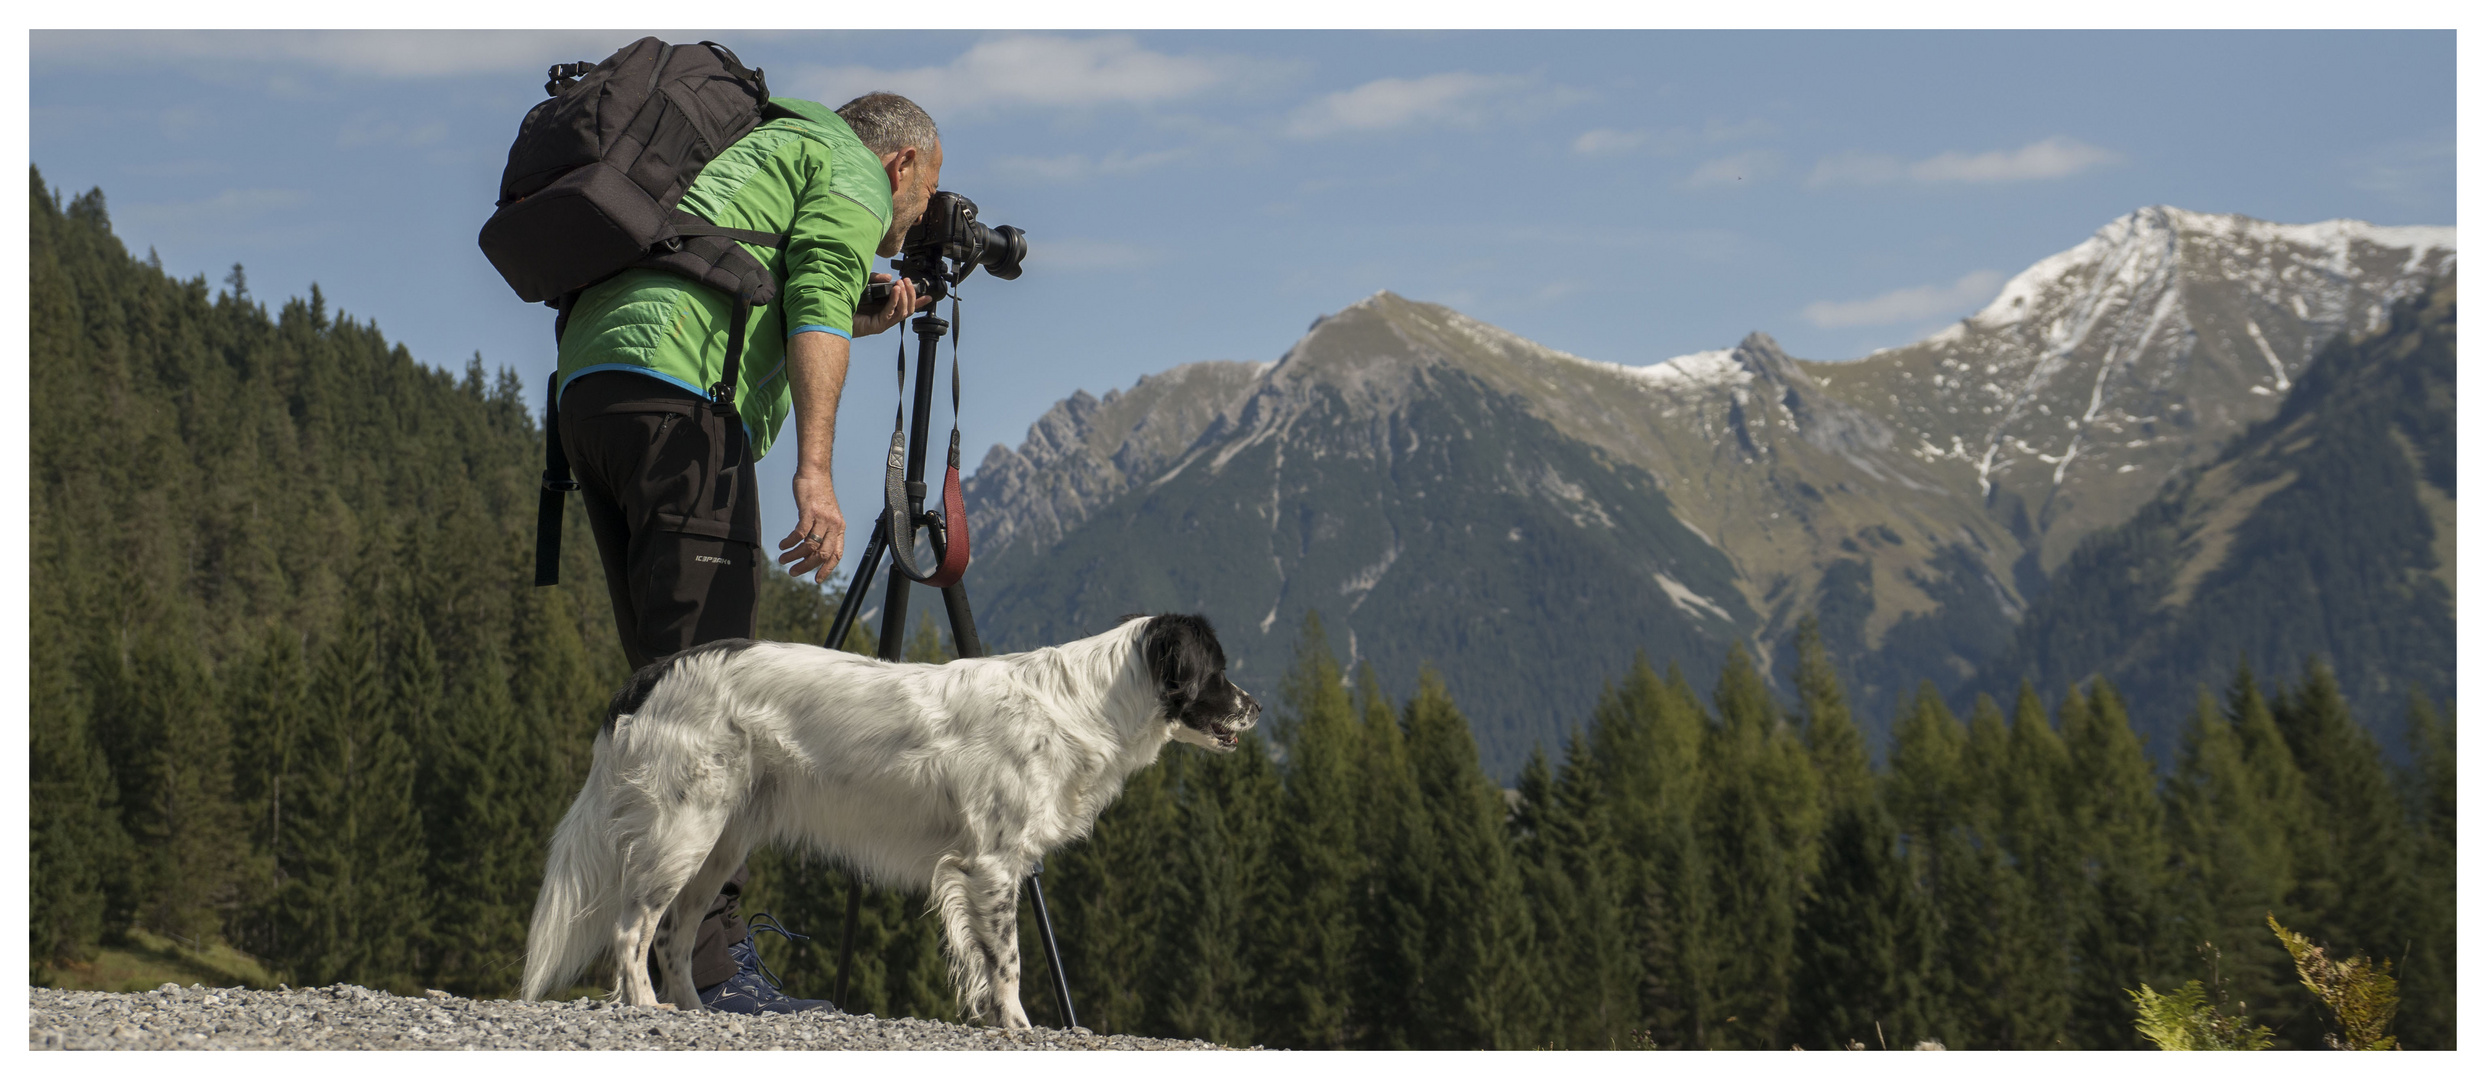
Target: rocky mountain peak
{"x":2103,"y":370}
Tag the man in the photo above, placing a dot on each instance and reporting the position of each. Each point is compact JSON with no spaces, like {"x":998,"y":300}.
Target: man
{"x":667,"y":474}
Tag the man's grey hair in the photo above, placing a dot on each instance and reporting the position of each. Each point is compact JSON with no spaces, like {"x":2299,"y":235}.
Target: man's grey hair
{"x":887,"y":123}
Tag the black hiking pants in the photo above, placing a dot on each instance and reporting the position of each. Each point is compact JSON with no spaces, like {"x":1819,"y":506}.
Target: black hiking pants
{"x":671,"y":492}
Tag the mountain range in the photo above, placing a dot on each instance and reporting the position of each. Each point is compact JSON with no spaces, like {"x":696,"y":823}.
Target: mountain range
{"x":1441,"y":491}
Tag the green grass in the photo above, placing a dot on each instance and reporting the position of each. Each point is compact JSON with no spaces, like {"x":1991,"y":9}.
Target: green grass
{"x":143,"y":961}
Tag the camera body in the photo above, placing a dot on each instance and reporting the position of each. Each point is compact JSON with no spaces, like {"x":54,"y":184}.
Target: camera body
{"x":945,"y":246}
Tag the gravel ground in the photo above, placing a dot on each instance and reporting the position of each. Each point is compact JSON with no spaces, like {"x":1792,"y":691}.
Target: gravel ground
{"x":345,"y":1017}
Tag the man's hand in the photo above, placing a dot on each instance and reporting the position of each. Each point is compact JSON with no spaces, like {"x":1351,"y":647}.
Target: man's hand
{"x":905,"y":301}
{"x":817,"y":541}
{"x":819,"y":361}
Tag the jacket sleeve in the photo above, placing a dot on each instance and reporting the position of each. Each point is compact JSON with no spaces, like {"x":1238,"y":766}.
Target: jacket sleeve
{"x":827,"y":258}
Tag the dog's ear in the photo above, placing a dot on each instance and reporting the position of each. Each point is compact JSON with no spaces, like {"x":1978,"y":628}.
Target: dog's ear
{"x":1183,"y":655}
{"x":1124,"y":619}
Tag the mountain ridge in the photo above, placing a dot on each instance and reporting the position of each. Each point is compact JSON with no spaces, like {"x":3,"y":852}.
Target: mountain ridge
{"x":1915,"y":500}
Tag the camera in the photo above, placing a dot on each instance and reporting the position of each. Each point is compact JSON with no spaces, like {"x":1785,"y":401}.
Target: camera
{"x":946,"y":245}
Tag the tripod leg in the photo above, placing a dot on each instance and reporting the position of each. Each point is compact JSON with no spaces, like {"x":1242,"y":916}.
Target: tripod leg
{"x":844,"y":954}
{"x":892,"y":625}
{"x":960,"y":621}
{"x":1051,"y":950}
{"x":859,"y":587}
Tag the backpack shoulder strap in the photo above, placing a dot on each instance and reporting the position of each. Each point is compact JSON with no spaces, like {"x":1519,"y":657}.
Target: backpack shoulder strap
{"x":746,"y":236}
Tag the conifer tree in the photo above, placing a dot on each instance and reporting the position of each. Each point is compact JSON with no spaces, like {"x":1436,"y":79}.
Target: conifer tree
{"x":356,"y":893}
{"x":2231,"y":854}
{"x":2356,"y":868}
{"x":1997,"y":949}
{"x":2130,"y":926}
{"x":1860,"y":970}
{"x":2427,"y":969}
{"x":1926,"y":794}
{"x":1200,"y":988}
{"x":1249,"y":788}
{"x":1758,"y":824}
{"x":1321,"y":864}
{"x":486,"y":850}
{"x":1486,"y":992}
{"x":2036,"y":831}
{"x":2282,"y":791}
{"x":415,"y":695}
{"x":73,"y":828}
{"x":1649,"y":740}
{"x":171,"y":751}
{"x":1396,"y":980}
{"x":267,"y":697}
{"x":1836,"y":752}
{"x":1564,"y":846}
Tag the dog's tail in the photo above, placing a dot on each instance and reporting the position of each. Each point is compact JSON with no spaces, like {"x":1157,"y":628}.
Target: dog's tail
{"x":581,"y":885}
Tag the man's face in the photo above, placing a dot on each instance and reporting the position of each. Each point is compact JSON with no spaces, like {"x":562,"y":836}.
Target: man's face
{"x":912,"y":177}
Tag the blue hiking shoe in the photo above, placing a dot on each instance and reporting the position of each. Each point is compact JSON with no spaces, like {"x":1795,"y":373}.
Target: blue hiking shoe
{"x":754,"y":989}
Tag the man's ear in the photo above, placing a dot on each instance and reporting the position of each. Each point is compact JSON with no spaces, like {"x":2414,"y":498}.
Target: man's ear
{"x":899,"y":165}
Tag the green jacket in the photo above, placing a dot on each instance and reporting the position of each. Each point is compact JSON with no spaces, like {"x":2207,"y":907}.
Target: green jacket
{"x":810,"y":178}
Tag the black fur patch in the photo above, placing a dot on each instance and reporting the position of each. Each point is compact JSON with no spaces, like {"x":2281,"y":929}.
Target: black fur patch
{"x":1187,"y":663}
{"x":642,"y":682}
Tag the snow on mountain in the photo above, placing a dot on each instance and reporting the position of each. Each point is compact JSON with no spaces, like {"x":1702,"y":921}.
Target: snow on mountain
{"x":2100,"y":371}
{"x":1914,"y":500}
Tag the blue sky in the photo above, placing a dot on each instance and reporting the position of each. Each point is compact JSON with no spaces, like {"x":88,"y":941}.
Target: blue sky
{"x":1626,"y":196}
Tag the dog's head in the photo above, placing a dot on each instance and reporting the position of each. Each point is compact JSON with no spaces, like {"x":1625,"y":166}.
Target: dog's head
{"x":1186,"y":663}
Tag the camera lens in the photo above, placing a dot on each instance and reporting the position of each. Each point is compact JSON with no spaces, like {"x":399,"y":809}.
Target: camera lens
{"x":1003,"y":251}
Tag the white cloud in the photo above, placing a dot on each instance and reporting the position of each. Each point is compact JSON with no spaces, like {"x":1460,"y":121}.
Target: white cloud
{"x":1856,"y":169}
{"x":1042,"y":70}
{"x":1070,"y":168}
{"x":1610,"y":141}
{"x":2410,"y":171}
{"x":1741,"y":169}
{"x":1448,"y":98}
{"x":2048,"y":159}
{"x":382,"y":53}
{"x":1671,"y":140}
{"x":1905,"y":305}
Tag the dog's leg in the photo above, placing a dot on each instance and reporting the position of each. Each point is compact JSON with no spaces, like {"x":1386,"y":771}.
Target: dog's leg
{"x":969,"y":973}
{"x":997,"y":921}
{"x":637,"y":934}
{"x":676,"y":841}
{"x":976,"y":900}
{"x":688,"y":910}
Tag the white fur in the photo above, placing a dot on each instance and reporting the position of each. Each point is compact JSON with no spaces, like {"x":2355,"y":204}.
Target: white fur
{"x":955,"y":779}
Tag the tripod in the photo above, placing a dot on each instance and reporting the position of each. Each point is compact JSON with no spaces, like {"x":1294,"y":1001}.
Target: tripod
{"x":928,"y":329}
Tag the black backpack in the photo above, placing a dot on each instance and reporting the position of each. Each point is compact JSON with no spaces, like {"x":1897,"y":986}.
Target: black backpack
{"x":595,"y":178}
{"x":593,"y":187}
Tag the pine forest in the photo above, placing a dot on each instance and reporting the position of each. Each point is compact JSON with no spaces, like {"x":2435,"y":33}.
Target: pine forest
{"x":293,"y":699}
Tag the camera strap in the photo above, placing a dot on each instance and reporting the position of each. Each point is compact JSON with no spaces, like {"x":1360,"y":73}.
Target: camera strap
{"x":949,"y":540}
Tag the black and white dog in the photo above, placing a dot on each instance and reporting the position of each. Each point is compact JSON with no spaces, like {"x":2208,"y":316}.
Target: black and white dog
{"x":954,"y":778}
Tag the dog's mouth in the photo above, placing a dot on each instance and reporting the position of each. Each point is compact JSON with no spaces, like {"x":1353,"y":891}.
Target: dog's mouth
{"x":1223,"y":736}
